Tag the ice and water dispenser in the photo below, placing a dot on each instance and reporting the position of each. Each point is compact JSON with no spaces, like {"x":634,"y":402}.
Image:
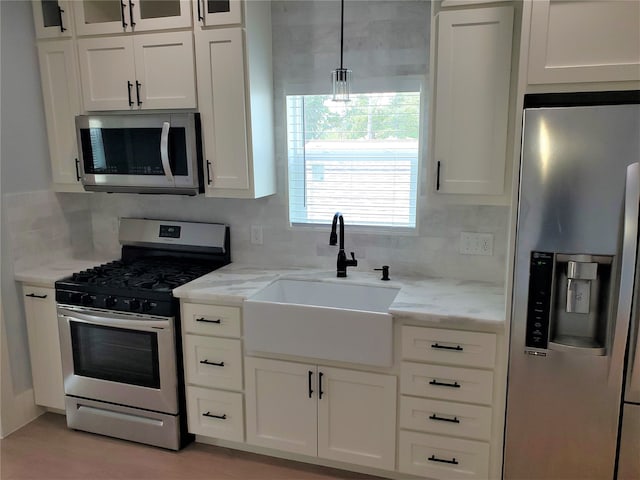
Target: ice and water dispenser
{"x":569,"y":302}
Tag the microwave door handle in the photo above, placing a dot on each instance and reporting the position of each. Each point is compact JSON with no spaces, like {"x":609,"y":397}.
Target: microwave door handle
{"x":164,"y":151}
{"x":628,"y":267}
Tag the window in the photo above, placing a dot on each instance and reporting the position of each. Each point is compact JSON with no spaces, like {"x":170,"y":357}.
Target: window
{"x":359,"y":158}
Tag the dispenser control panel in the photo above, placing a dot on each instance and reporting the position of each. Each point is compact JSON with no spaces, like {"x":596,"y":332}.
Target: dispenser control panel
{"x":540,"y":283}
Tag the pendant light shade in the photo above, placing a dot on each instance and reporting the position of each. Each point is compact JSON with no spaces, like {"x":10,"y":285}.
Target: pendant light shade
{"x":341,"y":77}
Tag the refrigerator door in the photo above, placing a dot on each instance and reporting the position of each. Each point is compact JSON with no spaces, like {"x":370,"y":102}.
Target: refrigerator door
{"x":629,"y":462}
{"x":632,"y":387}
{"x":563,"y":406}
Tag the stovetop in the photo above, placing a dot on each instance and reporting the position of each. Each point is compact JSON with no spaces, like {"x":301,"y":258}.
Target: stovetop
{"x":158,"y":275}
{"x":141,"y":285}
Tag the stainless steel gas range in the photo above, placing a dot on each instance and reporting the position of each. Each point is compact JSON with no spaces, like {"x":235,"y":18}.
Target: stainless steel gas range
{"x":119,"y":328}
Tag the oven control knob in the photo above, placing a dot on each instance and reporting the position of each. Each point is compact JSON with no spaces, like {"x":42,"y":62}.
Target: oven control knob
{"x":134,"y":304}
{"x":75,"y":298}
{"x":110,"y":302}
{"x":86,"y":299}
{"x":145,"y":306}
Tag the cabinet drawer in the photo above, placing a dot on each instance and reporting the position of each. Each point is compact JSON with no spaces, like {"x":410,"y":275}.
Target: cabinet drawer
{"x":446,"y":383}
{"x":447,"y":418}
{"x":213,"y":362}
{"x":211,"y":320}
{"x":215,"y":413}
{"x":449,"y":346}
{"x":444,"y":458}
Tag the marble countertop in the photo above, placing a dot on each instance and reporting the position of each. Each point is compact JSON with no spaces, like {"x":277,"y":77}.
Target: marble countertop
{"x":433,"y":301}
{"x":46,"y":275}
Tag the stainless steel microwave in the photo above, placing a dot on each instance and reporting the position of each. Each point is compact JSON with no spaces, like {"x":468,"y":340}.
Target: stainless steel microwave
{"x":141,"y":153}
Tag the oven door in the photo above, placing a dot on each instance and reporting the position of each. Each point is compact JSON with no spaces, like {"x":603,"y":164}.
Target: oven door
{"x":120,"y":358}
{"x":145,"y":153}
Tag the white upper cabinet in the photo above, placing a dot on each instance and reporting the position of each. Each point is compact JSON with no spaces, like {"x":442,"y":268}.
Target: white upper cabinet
{"x":210,"y":13}
{"x":584,"y":41}
{"x":221,"y":91}
{"x":139,"y":72}
{"x":235,"y":100}
{"x":52,"y":19}
{"x":165,"y":70}
{"x":107,"y":70}
{"x":61,"y":94}
{"x":98,"y":17}
{"x":472,"y":81}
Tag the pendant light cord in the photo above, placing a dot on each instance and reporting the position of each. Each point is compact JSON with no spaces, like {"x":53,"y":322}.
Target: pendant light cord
{"x":341,"y":33}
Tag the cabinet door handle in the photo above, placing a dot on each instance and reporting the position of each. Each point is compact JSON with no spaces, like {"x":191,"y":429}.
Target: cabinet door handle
{"x":310,"y":379}
{"x":204,"y":320}
{"x":138,"y":85}
{"x":438,"y":177}
{"x":445,"y":347}
{"x":211,"y":415}
{"x":433,"y":458}
{"x":200,"y":17}
{"x":77,"y":170}
{"x":133,"y":24}
{"x":444,"y":419}
{"x":444,"y":384}
{"x":208,"y":172}
{"x":214,"y":364}
{"x":60,"y":12}
{"x":320,"y":392}
{"x":33,"y":295}
{"x":129,"y":85}
{"x":122,"y":7}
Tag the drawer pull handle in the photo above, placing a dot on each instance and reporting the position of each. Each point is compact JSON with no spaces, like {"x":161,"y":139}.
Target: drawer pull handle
{"x":445,"y":347}
{"x":215,"y":364}
{"x":219,"y":320}
{"x":33,"y":295}
{"x":211,"y":415}
{"x":444,"y":384}
{"x":433,"y":458}
{"x":444,"y":419}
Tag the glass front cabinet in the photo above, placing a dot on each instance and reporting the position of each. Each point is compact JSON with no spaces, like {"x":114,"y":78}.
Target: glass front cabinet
{"x":96,"y":17}
{"x":52,"y":18}
{"x":209,"y":13}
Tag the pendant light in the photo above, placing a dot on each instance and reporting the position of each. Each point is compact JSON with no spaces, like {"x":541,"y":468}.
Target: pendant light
{"x":341,"y":77}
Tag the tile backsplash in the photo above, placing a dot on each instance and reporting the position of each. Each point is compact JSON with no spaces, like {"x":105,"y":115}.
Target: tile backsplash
{"x":44,"y":225}
{"x":432,"y":251}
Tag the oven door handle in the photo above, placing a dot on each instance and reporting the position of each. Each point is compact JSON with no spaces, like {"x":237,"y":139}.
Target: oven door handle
{"x":164,"y":151}
{"x":114,"y":320}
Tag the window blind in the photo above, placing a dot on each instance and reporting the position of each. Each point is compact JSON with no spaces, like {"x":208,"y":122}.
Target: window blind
{"x":359,"y":158}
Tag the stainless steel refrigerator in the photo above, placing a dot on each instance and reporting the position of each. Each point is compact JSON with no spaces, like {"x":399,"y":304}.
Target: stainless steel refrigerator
{"x":573,"y":401}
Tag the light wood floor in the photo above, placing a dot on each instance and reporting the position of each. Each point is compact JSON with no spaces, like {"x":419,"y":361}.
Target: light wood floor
{"x":47,"y":450}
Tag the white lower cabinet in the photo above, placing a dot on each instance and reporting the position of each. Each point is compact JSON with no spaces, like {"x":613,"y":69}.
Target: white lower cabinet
{"x":445,"y":410}
{"x":213,"y":370}
{"x":215,"y":413}
{"x":333,"y":413}
{"x":44,"y":346}
{"x":435,"y":456}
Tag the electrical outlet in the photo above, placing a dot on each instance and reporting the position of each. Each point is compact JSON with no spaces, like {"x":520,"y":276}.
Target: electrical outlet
{"x":256,"y":234}
{"x":476,"y":243}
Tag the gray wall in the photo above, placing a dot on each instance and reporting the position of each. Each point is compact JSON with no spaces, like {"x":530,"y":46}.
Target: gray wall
{"x":25,"y":166}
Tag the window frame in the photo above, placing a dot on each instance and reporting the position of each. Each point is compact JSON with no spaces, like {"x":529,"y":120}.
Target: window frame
{"x":409,"y":83}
